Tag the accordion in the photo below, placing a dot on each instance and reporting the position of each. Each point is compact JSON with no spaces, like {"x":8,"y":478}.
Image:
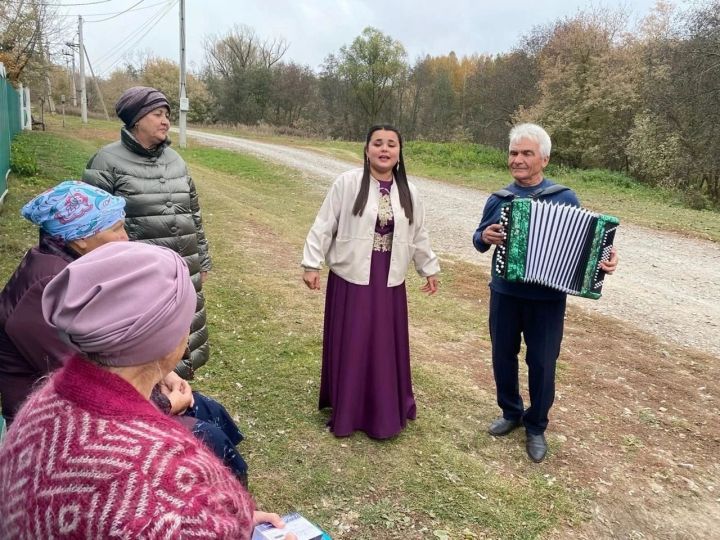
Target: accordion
{"x":555,"y":245}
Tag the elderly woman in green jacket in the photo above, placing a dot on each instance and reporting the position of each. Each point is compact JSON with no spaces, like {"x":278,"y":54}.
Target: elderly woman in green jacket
{"x":162,"y":204}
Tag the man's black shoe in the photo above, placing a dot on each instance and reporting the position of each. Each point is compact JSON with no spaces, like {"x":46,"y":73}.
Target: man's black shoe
{"x":502,"y":426}
{"x":536,"y":447}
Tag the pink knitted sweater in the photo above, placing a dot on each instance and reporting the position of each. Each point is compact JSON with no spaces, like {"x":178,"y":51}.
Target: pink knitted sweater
{"x":89,"y":457}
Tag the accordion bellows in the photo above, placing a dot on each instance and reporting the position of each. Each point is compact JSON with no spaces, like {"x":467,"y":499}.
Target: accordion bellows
{"x":555,"y":245}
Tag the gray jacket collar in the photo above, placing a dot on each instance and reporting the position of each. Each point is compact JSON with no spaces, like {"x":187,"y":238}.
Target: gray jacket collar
{"x":132,"y":144}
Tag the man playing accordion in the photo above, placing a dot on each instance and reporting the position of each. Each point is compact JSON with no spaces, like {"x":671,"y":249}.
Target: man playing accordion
{"x":525,"y":310}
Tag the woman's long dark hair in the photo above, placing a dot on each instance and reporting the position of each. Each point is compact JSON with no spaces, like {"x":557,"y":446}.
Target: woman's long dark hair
{"x":398,"y":172}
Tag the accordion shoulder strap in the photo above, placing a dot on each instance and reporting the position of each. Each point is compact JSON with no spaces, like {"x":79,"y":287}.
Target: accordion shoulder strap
{"x":555,"y":188}
{"x":504,"y":194}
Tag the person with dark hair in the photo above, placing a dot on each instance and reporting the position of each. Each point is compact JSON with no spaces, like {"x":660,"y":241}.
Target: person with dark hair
{"x":89,"y":455}
{"x":162,"y":202}
{"x":369,"y":228}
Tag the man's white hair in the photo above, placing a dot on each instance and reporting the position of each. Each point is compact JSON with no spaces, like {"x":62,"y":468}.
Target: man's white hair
{"x":534,"y":133}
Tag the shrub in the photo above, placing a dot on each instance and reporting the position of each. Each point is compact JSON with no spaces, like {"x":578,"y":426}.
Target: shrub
{"x":22,"y":158}
{"x":461,"y":155}
{"x":695,"y":199}
{"x":604,"y":176}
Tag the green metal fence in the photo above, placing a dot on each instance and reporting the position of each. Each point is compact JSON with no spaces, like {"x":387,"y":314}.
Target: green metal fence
{"x":9,"y":126}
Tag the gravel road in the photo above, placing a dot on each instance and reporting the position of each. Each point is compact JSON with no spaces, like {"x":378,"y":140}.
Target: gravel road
{"x":666,"y":285}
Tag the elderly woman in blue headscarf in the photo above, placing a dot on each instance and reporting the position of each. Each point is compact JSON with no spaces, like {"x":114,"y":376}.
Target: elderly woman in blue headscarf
{"x":74,"y":219}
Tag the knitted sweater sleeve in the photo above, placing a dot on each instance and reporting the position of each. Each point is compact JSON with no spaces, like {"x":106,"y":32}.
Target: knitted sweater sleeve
{"x":193,"y":496}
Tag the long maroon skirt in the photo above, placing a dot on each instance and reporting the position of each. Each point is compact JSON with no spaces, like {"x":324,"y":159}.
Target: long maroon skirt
{"x":366,"y":355}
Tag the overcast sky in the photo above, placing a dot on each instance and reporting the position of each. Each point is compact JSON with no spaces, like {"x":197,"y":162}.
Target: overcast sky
{"x":316,"y":28}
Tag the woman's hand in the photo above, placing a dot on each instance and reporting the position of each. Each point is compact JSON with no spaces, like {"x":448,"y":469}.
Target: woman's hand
{"x":431,"y":286}
{"x":272,"y":519}
{"x":312,"y":279}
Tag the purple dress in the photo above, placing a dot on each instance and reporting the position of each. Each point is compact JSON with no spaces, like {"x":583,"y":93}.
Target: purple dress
{"x":366,"y":349}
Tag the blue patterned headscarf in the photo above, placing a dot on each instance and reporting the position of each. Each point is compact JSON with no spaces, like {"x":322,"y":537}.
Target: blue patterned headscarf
{"x":73,"y":210}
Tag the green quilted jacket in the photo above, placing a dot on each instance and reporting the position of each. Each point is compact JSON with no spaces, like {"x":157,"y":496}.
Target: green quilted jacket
{"x":162,"y":208}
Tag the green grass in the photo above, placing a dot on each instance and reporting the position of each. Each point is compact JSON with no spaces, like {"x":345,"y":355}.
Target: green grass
{"x":440,"y":478}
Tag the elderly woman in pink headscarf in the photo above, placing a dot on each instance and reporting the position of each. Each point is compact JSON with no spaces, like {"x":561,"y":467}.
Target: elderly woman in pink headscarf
{"x":89,"y":455}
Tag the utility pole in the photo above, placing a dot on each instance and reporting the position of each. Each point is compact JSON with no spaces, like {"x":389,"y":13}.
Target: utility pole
{"x":45,"y":58}
{"x":97,"y":86}
{"x":83,"y":91}
{"x":72,"y":78}
{"x":184,"y":103}
{"x":48,"y":83}
{"x":67,"y":67}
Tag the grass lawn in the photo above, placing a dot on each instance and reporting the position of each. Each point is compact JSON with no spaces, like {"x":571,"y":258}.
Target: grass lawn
{"x":443,"y":477}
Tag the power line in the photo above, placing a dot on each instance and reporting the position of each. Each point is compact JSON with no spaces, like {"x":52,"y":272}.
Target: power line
{"x":132,"y":35}
{"x":68,"y":5}
{"x":115,"y":13}
{"x":111,"y":14}
{"x":119,"y":13}
{"x":159,"y":17}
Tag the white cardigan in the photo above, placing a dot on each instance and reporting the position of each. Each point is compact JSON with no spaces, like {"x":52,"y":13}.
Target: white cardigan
{"x":345,"y":241}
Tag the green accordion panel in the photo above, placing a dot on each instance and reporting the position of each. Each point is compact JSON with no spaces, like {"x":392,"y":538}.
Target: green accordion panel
{"x":594,"y":241}
{"x":604,"y":222}
{"x":518,"y":240}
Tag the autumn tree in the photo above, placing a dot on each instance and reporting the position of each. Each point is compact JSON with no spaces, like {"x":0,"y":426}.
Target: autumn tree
{"x":164,"y":75}
{"x":700,"y":106}
{"x":238,"y":73}
{"x":439,"y":84}
{"x":419,"y":82}
{"x":373,"y":66}
{"x":339,"y":113}
{"x":30,"y":37}
{"x":654,"y":144}
{"x":498,"y":89}
{"x":292,"y":92}
{"x":587,"y":88}
{"x":675,"y":140}
{"x":118,"y":81}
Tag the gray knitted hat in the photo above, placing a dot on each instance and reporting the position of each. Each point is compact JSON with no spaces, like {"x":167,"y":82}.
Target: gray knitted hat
{"x":138,"y":101}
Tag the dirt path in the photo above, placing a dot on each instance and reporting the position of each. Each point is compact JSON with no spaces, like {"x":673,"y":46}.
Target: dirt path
{"x":666,"y":285}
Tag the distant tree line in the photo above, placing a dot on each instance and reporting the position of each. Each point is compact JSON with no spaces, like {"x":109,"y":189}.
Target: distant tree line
{"x":640,"y":99}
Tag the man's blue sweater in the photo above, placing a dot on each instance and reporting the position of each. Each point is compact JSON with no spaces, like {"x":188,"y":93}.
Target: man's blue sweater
{"x":491,"y":215}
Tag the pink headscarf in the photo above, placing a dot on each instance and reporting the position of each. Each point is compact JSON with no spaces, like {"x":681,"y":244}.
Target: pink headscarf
{"x":122,"y":304}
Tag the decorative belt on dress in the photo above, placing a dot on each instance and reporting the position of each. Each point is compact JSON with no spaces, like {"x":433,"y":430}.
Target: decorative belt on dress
{"x":382,"y":242}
